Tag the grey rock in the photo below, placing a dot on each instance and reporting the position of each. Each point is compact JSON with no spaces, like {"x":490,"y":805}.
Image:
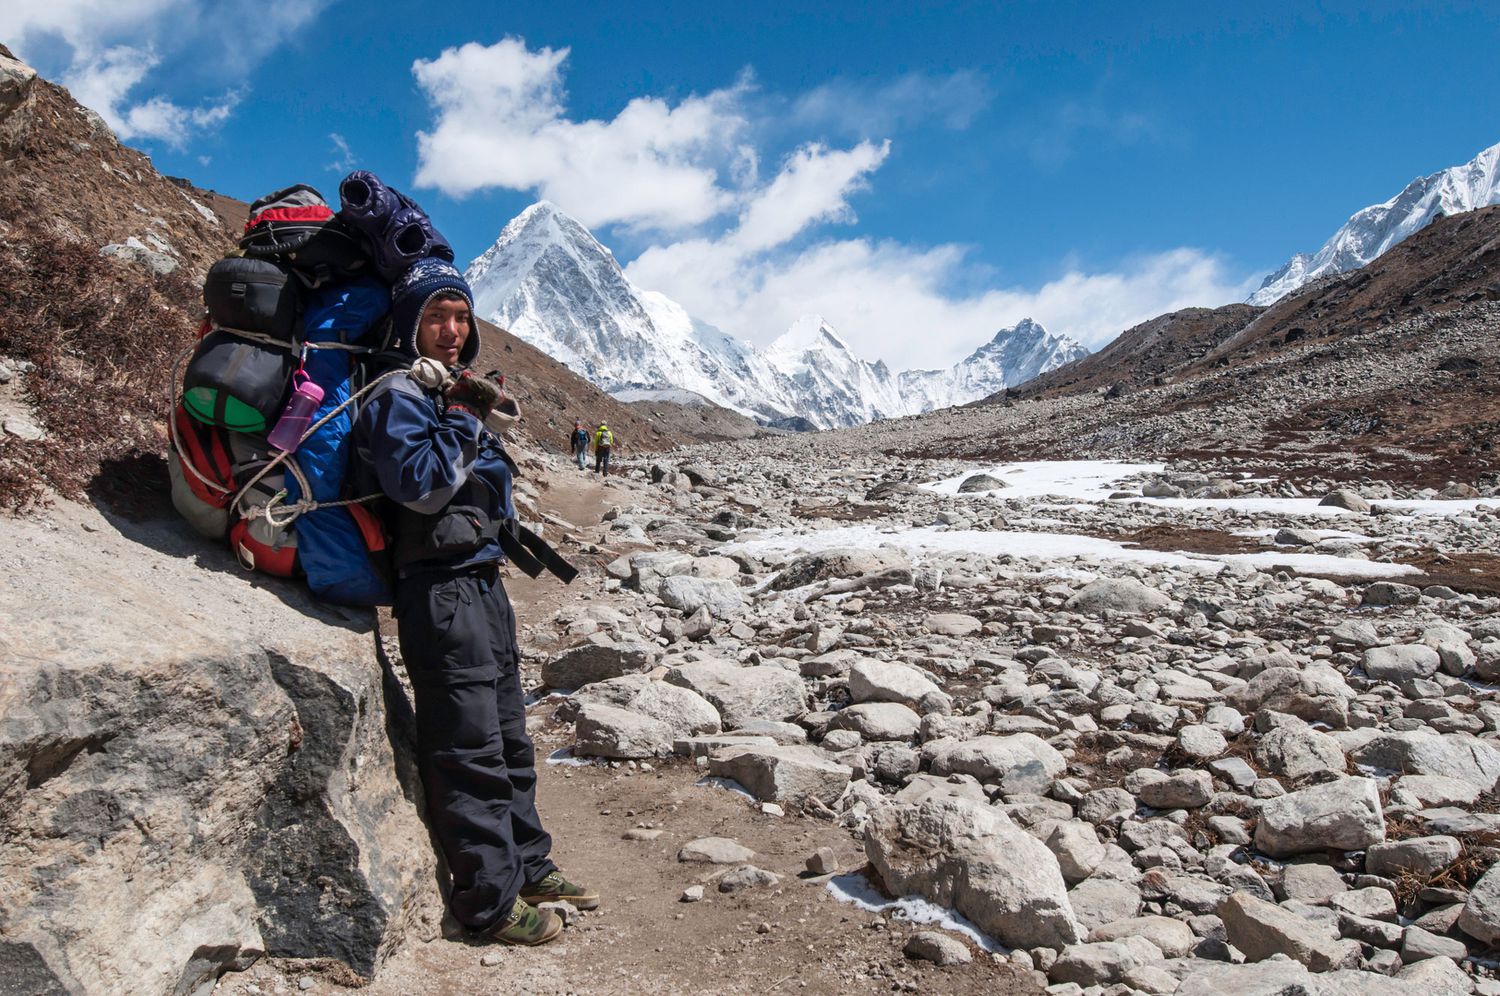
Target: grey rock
{"x":689,"y":594}
{"x":782,"y":774}
{"x":684,"y":711}
{"x":743,"y":694}
{"x":1391,"y":593}
{"x":971,"y":858}
{"x":1172,"y":937}
{"x":1118,"y":596}
{"x":1261,"y":929}
{"x":1480,"y":918}
{"x":1401,"y":663}
{"x":881,"y":681}
{"x":1077,"y":849}
{"x":1418,"y":945}
{"x":1104,"y":962}
{"x":1423,"y":856}
{"x":823,"y":861}
{"x":938,"y":948}
{"x":715,"y":851}
{"x":979,"y":483}
{"x":1439,"y":976}
{"x":878,"y":721}
{"x":605,"y":731}
{"x":1182,"y":790}
{"x":1296,"y":752}
{"x":586,"y":664}
{"x":1344,"y":814}
{"x":1420,"y":752}
{"x":1097,"y":901}
{"x":747,"y":877}
{"x":1347,"y":500}
{"x":1020,"y":762}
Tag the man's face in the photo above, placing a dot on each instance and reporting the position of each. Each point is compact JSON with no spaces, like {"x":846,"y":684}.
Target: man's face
{"x":442,"y":331}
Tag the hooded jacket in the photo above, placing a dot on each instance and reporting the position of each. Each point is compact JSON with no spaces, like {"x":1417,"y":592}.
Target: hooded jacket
{"x":440,"y":467}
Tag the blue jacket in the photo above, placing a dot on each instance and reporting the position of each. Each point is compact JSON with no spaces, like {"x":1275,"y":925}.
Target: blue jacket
{"x":423,"y":457}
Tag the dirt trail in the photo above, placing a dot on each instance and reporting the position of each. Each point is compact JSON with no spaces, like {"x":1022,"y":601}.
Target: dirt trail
{"x":794,"y":938}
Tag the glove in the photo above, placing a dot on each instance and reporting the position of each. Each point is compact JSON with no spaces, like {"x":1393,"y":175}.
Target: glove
{"x":429,"y":372}
{"x":473,"y":394}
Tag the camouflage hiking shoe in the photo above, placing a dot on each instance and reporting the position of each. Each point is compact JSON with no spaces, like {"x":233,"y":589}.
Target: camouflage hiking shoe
{"x":554,"y":887}
{"x":526,"y":926}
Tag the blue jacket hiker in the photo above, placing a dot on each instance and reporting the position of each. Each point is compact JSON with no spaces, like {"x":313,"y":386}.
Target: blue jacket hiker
{"x":448,"y":482}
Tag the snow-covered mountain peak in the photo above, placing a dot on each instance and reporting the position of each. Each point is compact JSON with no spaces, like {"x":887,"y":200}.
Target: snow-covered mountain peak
{"x":1373,"y":230}
{"x":550,"y":282}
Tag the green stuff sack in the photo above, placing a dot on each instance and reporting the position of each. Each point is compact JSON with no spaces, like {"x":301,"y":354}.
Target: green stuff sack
{"x":236,"y":383}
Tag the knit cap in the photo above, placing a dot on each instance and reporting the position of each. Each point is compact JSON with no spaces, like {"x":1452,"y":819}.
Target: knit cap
{"x":412,"y":291}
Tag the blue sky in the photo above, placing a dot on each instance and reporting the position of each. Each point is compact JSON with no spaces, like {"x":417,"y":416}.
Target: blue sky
{"x":921,"y":174}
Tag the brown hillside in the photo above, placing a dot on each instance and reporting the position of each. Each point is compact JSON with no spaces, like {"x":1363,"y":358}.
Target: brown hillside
{"x":101,"y":261}
{"x":1453,"y":261}
{"x":1146,"y":354}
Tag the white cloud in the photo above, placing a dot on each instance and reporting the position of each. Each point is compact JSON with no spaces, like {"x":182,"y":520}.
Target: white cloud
{"x":745,"y":253}
{"x":102,"y":50}
{"x":894,"y":302}
{"x":950,"y":100}
{"x":501,"y":123}
{"x":813,"y":186}
{"x":344,"y":159}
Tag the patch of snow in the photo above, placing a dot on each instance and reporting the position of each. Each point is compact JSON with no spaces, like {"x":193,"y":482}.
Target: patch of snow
{"x":1306,"y":507}
{"x":728,"y":784}
{"x":1084,"y":480}
{"x":1054,"y":546}
{"x":855,"y":889}
{"x":564,"y":756}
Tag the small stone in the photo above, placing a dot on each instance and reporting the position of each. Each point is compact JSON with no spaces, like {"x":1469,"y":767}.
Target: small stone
{"x":747,"y":877}
{"x":715,"y":851}
{"x":565,"y":911}
{"x":823,"y":861}
{"x":938,"y":948}
{"x":771,"y":809}
{"x":491,"y":959}
{"x":692,"y":894}
{"x":1418,"y":945}
{"x":305,"y":983}
{"x":642,"y":834}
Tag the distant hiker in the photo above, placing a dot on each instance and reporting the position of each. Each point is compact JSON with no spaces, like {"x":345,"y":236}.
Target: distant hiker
{"x":580,"y":444}
{"x":449,"y":482}
{"x":603,"y":440}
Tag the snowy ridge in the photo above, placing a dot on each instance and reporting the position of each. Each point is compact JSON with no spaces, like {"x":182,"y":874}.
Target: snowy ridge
{"x":1375,"y":229}
{"x":551,"y":283}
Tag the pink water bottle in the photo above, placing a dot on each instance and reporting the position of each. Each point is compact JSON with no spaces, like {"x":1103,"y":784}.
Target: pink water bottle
{"x":306,"y":397}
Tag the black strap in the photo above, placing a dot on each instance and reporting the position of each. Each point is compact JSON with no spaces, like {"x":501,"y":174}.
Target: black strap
{"x":531,"y":554}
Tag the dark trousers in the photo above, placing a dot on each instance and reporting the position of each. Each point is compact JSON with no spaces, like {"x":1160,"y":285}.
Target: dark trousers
{"x":458,"y":638}
{"x":601,"y":460}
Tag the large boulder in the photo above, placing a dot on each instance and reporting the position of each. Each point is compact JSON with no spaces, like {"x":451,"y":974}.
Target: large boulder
{"x":841,"y":562}
{"x":1118,"y":596}
{"x":591,"y":662}
{"x":782,"y":774}
{"x":1295,"y":752}
{"x":604,"y":731}
{"x":688,"y":593}
{"x":1422,"y":752}
{"x":1261,"y":929}
{"x":1021,"y":762}
{"x":1480,"y":918}
{"x":878,"y":721}
{"x":683,"y":710}
{"x":882,"y":681}
{"x":744,"y":694}
{"x":1317,"y":694}
{"x":1401,"y":663}
{"x":970,"y":857}
{"x":1342,"y":815}
{"x":198,"y":767}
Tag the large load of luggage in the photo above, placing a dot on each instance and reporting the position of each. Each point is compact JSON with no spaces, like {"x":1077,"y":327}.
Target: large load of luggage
{"x":260,"y":428}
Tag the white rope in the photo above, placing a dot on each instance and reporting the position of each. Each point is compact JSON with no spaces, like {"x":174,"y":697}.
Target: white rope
{"x":268,"y":511}
{"x":305,"y":505}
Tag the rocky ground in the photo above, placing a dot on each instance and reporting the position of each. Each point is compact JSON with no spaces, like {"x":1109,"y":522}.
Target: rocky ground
{"x":1232,"y":738}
